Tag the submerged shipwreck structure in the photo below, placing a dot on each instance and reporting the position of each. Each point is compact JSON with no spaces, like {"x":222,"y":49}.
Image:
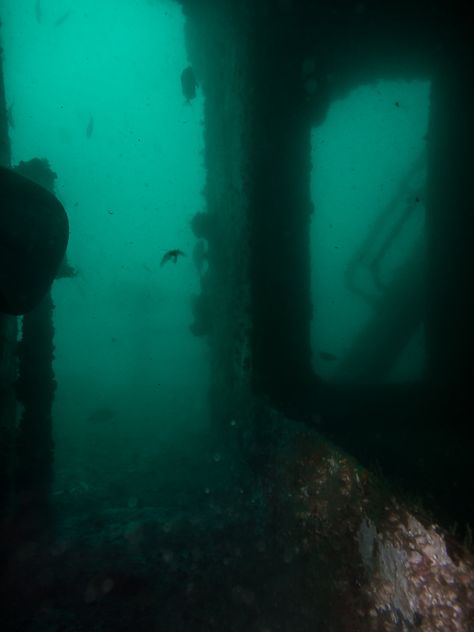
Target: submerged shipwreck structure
{"x":342,"y":464}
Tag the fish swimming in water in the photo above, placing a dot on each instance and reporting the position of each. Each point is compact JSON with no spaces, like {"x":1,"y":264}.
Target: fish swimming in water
{"x":188,"y":84}
{"x":171,"y":255}
{"x":62,"y":18}
{"x":90,"y":127}
{"x":102,"y":415}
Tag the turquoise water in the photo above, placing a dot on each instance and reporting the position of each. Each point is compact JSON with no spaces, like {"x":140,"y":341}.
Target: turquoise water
{"x":154,"y":527}
{"x":99,"y":95}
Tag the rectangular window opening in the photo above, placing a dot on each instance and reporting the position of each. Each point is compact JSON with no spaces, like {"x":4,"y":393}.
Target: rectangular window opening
{"x":368,"y":236}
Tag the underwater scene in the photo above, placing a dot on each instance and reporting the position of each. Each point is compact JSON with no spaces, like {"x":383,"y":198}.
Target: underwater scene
{"x":235,"y":324}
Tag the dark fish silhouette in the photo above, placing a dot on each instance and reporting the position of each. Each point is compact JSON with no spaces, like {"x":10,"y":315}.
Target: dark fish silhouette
{"x":62,"y":18}
{"x":188,"y":84}
{"x":102,"y":415}
{"x":171,"y":255}
{"x":90,"y":127}
{"x":327,"y":357}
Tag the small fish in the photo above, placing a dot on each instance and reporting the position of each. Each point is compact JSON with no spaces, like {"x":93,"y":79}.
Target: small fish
{"x":327,"y":357}
{"x":101,"y":415}
{"x":62,"y":18}
{"x":90,"y":127}
{"x":171,"y":255}
{"x":10,"y":117}
{"x":38,"y":12}
{"x":188,"y":84}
